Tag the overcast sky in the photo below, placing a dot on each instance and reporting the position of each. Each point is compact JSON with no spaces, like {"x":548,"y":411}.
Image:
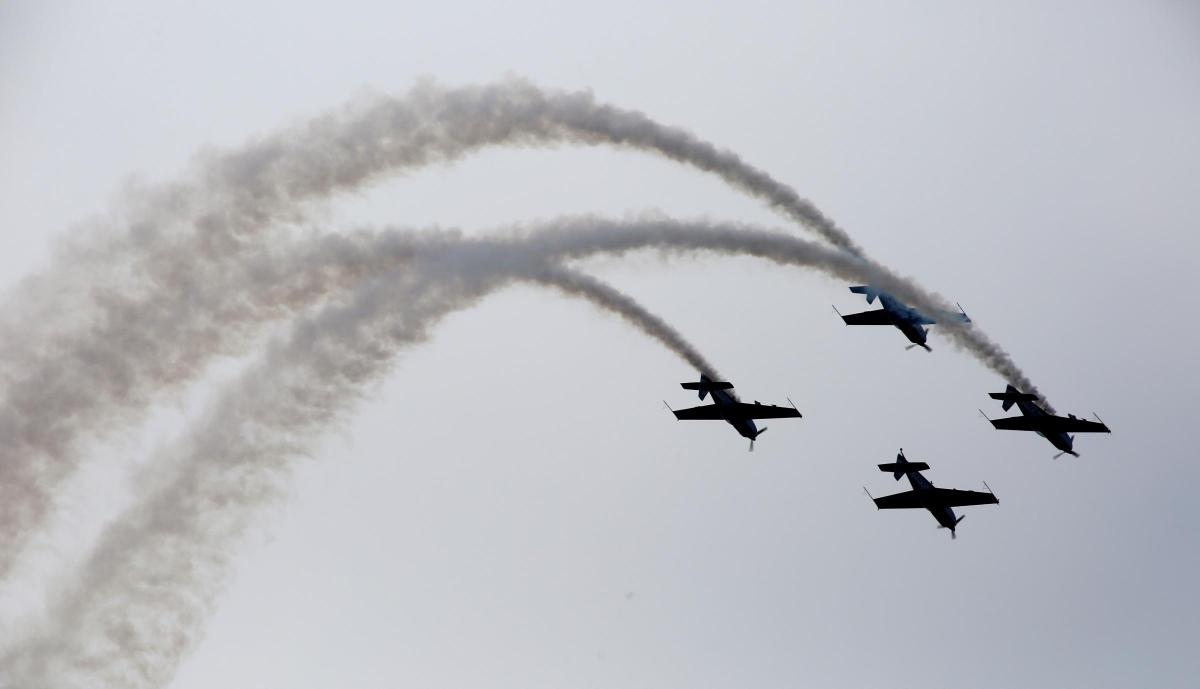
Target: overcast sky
{"x":513,"y":507}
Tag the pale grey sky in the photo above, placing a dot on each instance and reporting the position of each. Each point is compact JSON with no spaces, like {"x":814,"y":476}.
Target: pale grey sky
{"x":513,"y":507}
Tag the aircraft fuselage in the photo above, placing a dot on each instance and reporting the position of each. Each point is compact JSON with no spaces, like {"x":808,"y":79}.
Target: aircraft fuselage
{"x":943,"y":514}
{"x":725,"y":401}
{"x":906,"y":319}
{"x":1060,"y":440}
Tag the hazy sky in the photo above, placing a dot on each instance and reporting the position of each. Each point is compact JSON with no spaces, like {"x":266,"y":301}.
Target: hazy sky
{"x":513,"y":507}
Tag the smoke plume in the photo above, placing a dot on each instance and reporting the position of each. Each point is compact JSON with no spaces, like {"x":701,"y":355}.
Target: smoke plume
{"x":140,"y":602}
{"x":608,"y":298}
{"x":137,"y":304}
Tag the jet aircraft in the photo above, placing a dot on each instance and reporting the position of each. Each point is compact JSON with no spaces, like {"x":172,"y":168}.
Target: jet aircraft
{"x":895,"y":312}
{"x":939,"y":501}
{"x":1056,"y":429}
{"x":727,"y":407}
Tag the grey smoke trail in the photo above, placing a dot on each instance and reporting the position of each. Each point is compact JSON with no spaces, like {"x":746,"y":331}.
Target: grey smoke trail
{"x":145,"y":592}
{"x":586,"y":236}
{"x":107,"y":375}
{"x":125,"y":316}
{"x":335,"y":261}
{"x":611,"y":299}
{"x":144,"y":595}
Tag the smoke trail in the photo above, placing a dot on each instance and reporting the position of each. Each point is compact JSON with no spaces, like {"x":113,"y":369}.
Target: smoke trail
{"x":229,"y":200}
{"x":143,"y":596}
{"x":611,"y":299}
{"x":126,"y":316}
{"x":588,"y":235}
{"x":274,"y":283}
{"x":156,"y":304}
{"x":106,"y":376}
{"x":585,"y":236}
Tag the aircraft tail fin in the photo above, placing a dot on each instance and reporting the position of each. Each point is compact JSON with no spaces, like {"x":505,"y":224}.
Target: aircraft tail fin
{"x":902,"y":466}
{"x":706,"y":385}
{"x":1012,"y":395}
{"x":869,"y":292}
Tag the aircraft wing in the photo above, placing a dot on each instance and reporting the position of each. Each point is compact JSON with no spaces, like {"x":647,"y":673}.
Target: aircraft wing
{"x":763,"y":411}
{"x":900,"y":501}
{"x":1049,"y":424}
{"x":934,"y":497}
{"x":877,"y":317}
{"x":952,"y":497}
{"x":707,"y":412}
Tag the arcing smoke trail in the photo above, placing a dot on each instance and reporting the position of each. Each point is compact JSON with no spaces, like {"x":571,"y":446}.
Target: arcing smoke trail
{"x":611,"y":299}
{"x":585,"y":236}
{"x":142,"y":598}
{"x":124,"y":317}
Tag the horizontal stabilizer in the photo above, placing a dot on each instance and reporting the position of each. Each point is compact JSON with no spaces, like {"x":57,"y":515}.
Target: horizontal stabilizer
{"x":1011,"y":395}
{"x":707,"y":385}
{"x":900,"y":468}
{"x":867,"y":290}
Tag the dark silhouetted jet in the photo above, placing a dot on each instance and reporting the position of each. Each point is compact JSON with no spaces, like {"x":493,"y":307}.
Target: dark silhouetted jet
{"x":924,"y":494}
{"x":895,"y":312}
{"x":1056,"y":429}
{"x":727,"y":407}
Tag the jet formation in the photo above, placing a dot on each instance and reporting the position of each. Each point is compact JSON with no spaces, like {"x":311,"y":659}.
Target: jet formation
{"x":940,"y":502}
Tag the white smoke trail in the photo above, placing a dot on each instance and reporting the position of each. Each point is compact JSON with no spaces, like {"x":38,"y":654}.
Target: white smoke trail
{"x":608,"y":298}
{"x":584,"y":236}
{"x":143,"y":597}
{"x":126,"y":316}
{"x":144,"y":594}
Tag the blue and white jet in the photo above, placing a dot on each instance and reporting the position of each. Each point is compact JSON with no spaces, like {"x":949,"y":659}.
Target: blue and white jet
{"x":939,"y":501}
{"x":908,"y":320}
{"x":1056,"y":429}
{"x":727,"y":407}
